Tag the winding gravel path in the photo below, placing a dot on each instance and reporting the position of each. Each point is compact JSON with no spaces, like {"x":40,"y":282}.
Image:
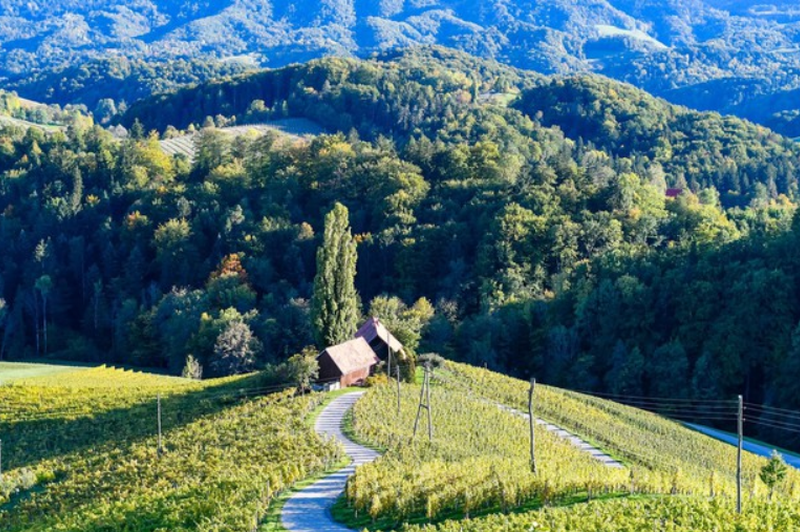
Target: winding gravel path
{"x":309,"y":509}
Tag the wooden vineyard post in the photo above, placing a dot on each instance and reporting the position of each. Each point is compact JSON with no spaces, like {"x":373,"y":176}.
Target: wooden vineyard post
{"x":160,"y":448}
{"x":425,"y":402}
{"x":532,"y":420}
{"x":428,"y":388}
{"x":397,"y":370}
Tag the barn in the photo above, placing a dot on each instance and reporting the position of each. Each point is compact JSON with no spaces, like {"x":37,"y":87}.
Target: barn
{"x":380,"y":339}
{"x":350,"y":362}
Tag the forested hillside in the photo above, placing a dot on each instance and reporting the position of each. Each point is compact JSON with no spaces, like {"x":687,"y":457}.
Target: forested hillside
{"x":107,"y":86}
{"x":739,"y":57}
{"x":540,"y":250}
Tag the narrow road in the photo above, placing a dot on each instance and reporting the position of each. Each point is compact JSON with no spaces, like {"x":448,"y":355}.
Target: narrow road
{"x":308,"y":510}
{"x":755,"y":448}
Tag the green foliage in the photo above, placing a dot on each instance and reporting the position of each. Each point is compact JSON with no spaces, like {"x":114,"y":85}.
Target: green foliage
{"x":405,"y":323}
{"x":192,"y":369}
{"x":335,"y":303}
{"x":723,"y":56}
{"x":655,"y":448}
{"x":82,"y":451}
{"x":774,"y":472}
{"x":303,"y":368}
{"x":627,"y":121}
{"x":475,"y":462}
{"x":235,"y":349}
{"x":634,"y":515}
{"x":106,"y":86}
{"x":540,"y":253}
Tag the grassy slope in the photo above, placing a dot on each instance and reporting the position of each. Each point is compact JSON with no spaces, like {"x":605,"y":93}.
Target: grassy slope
{"x":643,"y":439}
{"x":227,"y":457}
{"x":663,"y":456}
{"x":13,"y":371}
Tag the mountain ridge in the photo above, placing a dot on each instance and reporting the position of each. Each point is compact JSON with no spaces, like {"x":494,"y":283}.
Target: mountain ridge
{"x":673,"y":49}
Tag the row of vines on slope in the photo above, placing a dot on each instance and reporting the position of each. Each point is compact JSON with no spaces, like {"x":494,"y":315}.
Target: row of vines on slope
{"x":478,"y":461}
{"x":643,"y":439}
{"x":225,"y":457}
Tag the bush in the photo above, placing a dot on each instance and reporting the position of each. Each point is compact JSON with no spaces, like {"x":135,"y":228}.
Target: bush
{"x":435,"y":360}
{"x":379,"y":379}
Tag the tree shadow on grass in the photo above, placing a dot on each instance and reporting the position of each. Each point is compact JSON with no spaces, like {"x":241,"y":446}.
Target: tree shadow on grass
{"x":29,"y":441}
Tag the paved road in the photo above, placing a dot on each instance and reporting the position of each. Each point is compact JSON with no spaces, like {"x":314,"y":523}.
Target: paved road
{"x":309,"y":509}
{"x":755,"y":448}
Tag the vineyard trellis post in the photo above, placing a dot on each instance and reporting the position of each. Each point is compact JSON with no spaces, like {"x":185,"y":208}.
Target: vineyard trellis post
{"x":425,"y":402}
{"x":160,"y":448}
{"x":397,"y":370}
{"x":740,"y":430}
{"x":532,"y":420}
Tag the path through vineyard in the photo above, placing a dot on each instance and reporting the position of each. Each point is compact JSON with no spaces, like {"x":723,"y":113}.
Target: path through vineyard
{"x":309,"y":509}
{"x":583,"y":445}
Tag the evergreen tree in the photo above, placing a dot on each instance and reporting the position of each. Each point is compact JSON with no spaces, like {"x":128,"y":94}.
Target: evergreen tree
{"x":335,"y":304}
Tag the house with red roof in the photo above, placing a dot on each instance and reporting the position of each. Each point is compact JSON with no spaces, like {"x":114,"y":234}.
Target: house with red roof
{"x":350,"y":362}
{"x":353,"y":361}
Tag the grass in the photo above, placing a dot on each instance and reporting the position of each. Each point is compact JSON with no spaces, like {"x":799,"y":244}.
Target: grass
{"x":13,"y":371}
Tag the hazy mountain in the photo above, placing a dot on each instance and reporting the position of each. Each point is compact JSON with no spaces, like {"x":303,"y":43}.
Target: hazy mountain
{"x":710,"y":54}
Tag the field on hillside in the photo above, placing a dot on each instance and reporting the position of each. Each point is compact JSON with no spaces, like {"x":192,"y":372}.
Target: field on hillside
{"x":7,"y":120}
{"x":478,"y":465}
{"x":293,"y":127}
{"x":81,"y":451}
{"x":13,"y":371}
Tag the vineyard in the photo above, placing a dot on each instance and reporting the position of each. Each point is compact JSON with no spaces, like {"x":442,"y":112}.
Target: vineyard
{"x":643,"y":439}
{"x":293,"y":127}
{"x":80,"y":452}
{"x":478,"y":465}
{"x":666,"y":514}
{"x":13,"y":371}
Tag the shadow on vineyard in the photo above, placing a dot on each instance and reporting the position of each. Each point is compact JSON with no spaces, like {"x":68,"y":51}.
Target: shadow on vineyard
{"x":228,"y":449}
{"x":32,"y":437}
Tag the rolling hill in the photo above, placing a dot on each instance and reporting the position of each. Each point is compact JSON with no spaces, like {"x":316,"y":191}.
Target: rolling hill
{"x":709,"y":54}
{"x":81,"y":452}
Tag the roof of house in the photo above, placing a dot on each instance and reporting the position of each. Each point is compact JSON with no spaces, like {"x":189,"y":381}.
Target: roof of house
{"x":373,"y":328}
{"x":351,"y":355}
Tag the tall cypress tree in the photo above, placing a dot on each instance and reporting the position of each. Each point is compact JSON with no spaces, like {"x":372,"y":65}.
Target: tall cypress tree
{"x":335,"y":304}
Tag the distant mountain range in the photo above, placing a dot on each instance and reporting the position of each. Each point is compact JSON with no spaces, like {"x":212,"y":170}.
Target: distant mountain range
{"x":734,"y":56}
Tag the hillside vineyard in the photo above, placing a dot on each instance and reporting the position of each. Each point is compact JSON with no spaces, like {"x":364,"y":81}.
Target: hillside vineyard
{"x":399,"y":266}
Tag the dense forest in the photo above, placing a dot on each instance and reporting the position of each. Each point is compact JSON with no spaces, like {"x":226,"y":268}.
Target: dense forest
{"x":737,"y":57}
{"x":107,"y":86}
{"x":543,"y":223}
